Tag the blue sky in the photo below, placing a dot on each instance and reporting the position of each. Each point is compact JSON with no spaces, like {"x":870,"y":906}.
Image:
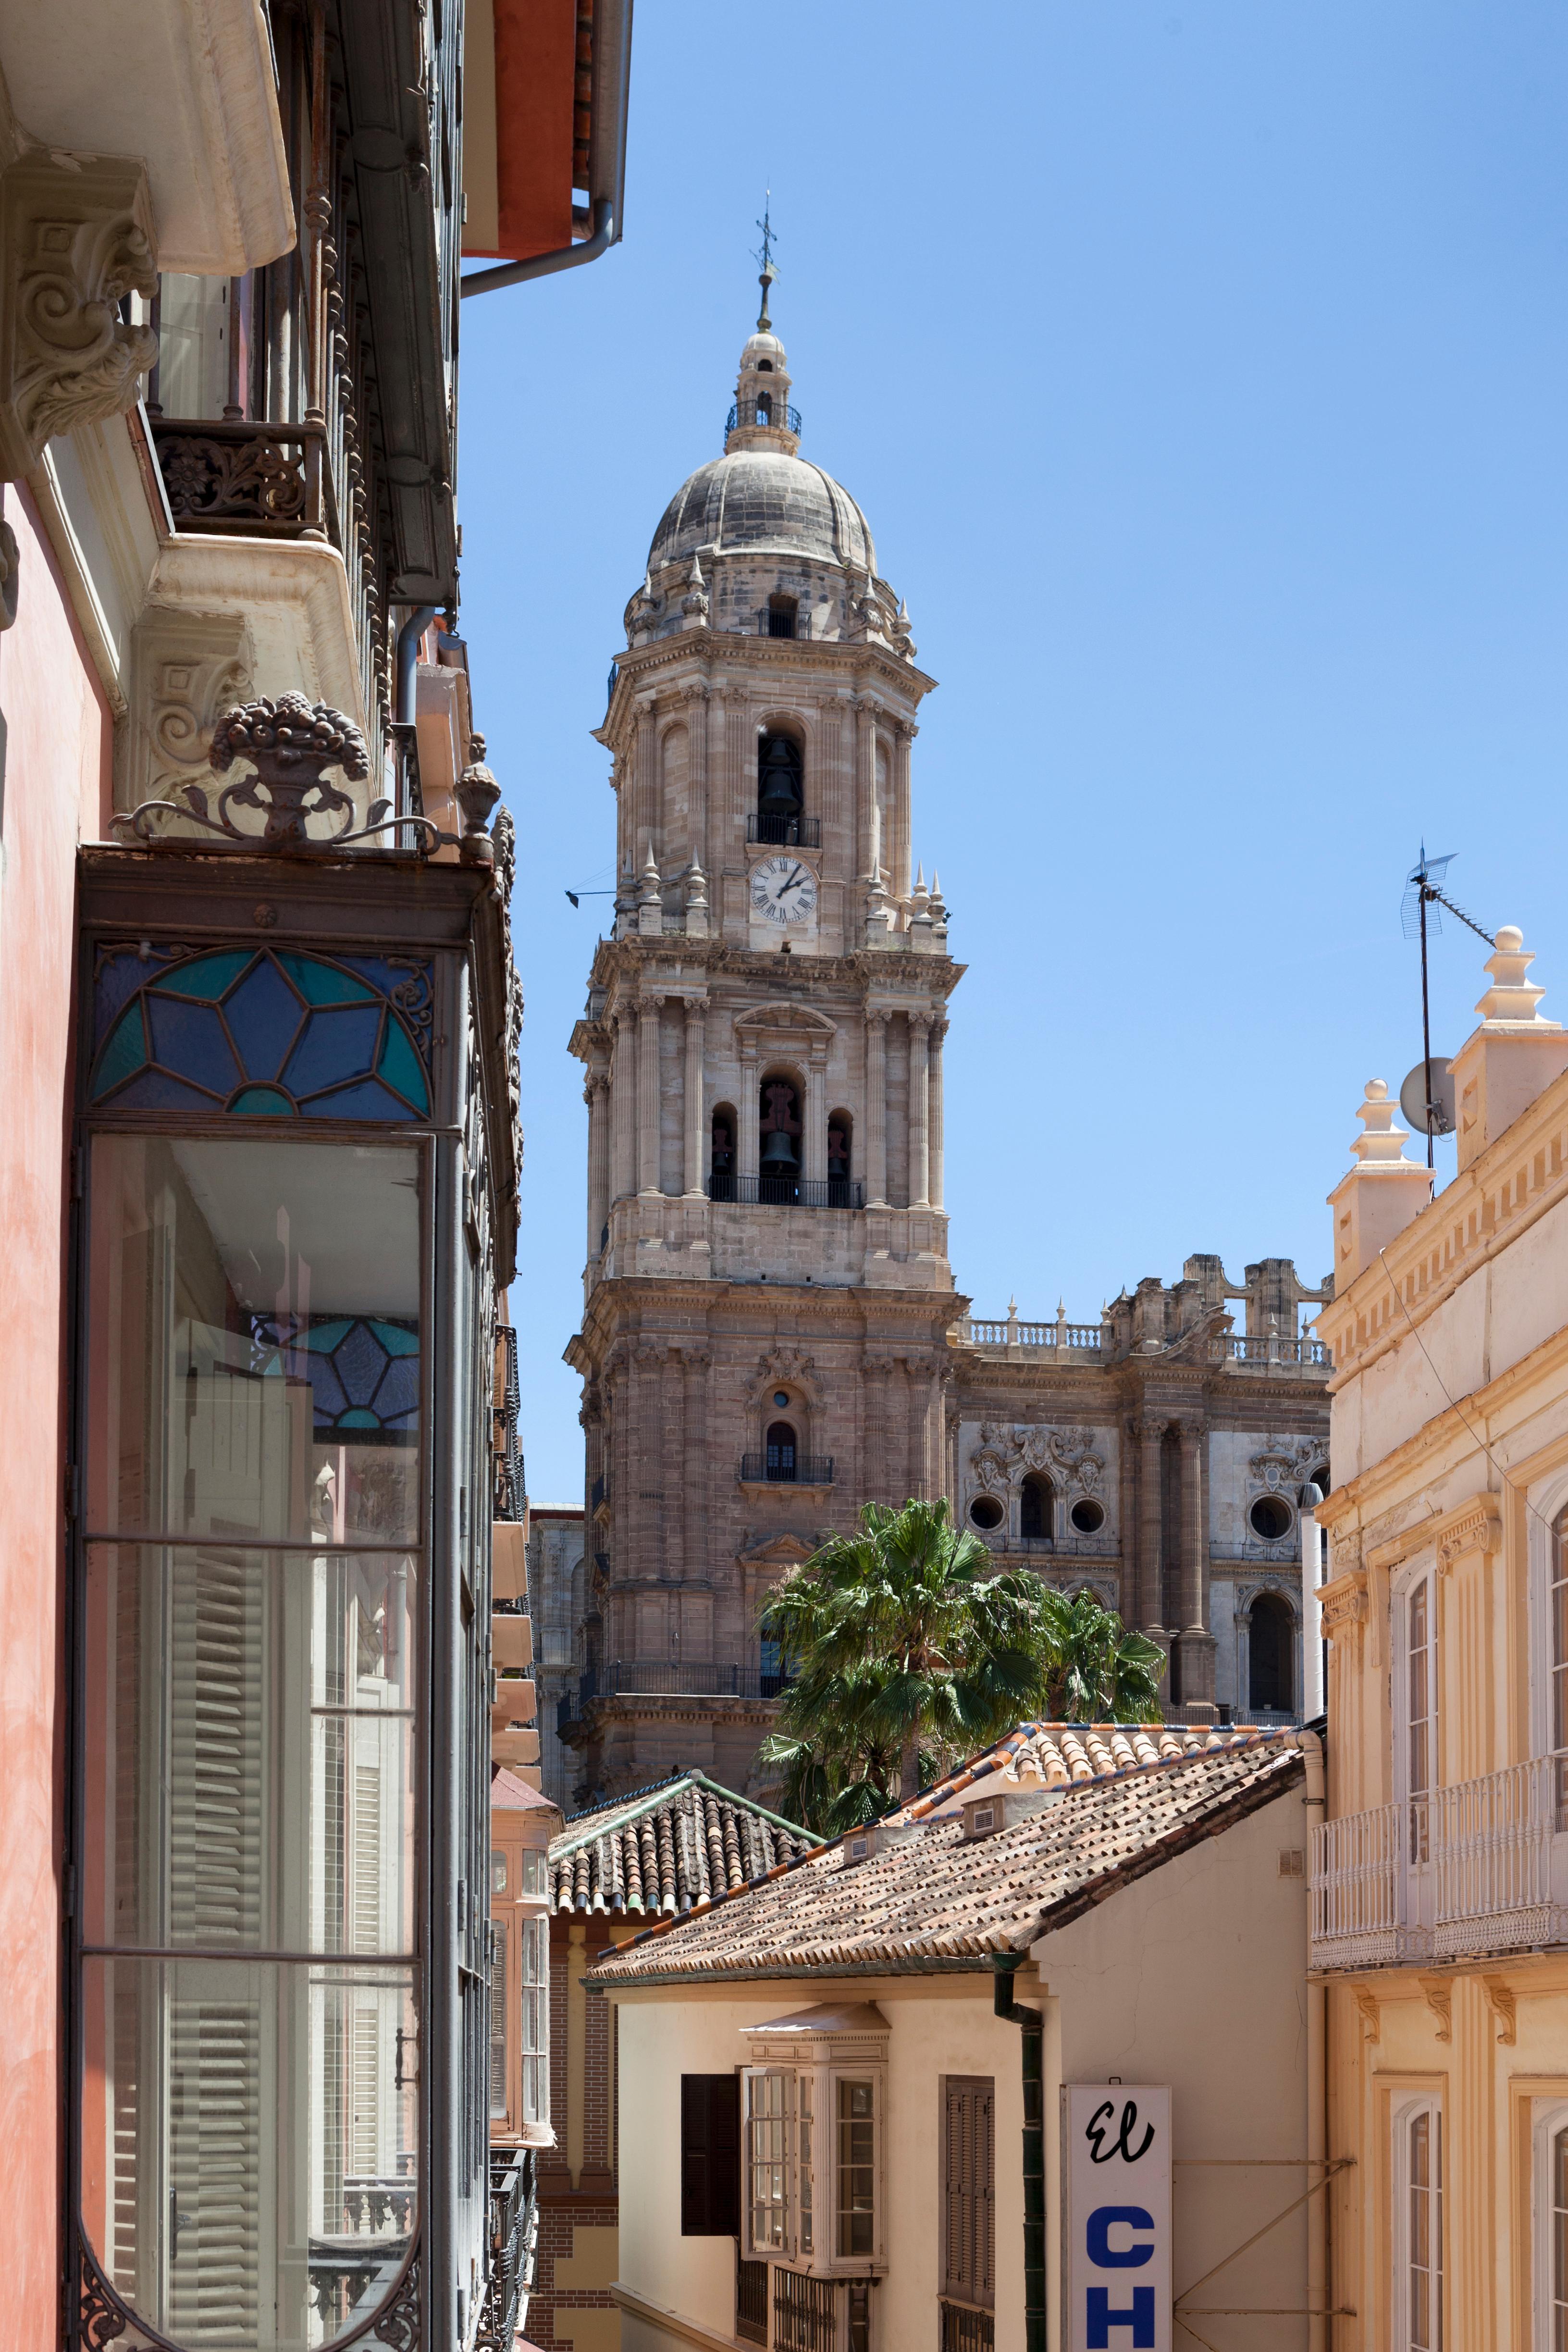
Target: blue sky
{"x":1202,"y":368}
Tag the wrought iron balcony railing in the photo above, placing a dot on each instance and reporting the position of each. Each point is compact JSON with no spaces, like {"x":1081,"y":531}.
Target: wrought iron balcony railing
{"x":789,"y":832}
{"x":690,"y":1678}
{"x":1467,"y":1870}
{"x":806,"y":1470}
{"x":786,"y":419}
{"x":514,"y":2227}
{"x":790,"y":1191}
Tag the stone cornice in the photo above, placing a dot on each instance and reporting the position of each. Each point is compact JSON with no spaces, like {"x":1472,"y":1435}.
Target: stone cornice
{"x":1512,"y":1185}
{"x":638,"y":669}
{"x":894,"y":978}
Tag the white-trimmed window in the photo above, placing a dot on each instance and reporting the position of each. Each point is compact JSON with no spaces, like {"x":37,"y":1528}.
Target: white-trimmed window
{"x":1417,"y":2175}
{"x":1557,"y":1651}
{"x":1549,"y":2232}
{"x":533,"y":1936}
{"x":1416,"y":1707}
{"x":812,"y":2133}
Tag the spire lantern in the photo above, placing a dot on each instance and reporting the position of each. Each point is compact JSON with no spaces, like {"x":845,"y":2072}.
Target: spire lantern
{"x":762,"y":417}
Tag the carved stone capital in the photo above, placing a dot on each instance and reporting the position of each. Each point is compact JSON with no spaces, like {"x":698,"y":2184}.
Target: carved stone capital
{"x":1344,"y":1603}
{"x":77,"y":236}
{"x":1475,"y":1526}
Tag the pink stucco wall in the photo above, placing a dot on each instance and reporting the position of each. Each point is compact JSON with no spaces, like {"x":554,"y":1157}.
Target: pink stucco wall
{"x":57,"y":790}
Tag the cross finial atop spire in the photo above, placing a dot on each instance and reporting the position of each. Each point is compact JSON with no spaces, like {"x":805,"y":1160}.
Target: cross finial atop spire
{"x":764,"y":258}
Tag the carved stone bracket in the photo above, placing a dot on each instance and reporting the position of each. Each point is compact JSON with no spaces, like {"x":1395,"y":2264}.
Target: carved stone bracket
{"x":1344,"y":1603}
{"x":1371,"y":2016}
{"x":1438,"y":1993}
{"x":1475,"y":1526}
{"x":76,"y":236}
{"x":1501,"y":2001}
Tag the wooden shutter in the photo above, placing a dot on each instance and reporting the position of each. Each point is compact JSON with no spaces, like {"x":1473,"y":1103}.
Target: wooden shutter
{"x":215,"y":2161}
{"x":968,"y":2188}
{"x":218,"y":1687}
{"x":710,"y":2156}
{"x":498,"y":2023}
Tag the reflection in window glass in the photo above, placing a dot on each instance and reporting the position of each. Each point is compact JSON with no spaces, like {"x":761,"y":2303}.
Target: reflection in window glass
{"x":1424,"y":2160}
{"x":1418,"y":1771}
{"x":193,"y":344}
{"x":1558,"y":1605}
{"x":249,"y":2147}
{"x":499,"y":2025}
{"x":255,"y":1339}
{"x":1559,"y":2190}
{"x":252,"y":1780}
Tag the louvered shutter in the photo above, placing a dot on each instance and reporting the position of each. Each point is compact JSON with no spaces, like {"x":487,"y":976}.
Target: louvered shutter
{"x":216,"y":1692}
{"x":968,"y":2188}
{"x":498,"y":2025}
{"x":710,"y":2156}
{"x":215,"y":2161}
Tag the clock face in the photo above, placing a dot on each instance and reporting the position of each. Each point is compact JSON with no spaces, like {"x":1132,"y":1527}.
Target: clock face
{"x":783,"y":890}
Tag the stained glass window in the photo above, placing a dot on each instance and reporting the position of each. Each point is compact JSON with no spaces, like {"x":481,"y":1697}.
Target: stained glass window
{"x":363,"y":1372}
{"x":263,"y":1034}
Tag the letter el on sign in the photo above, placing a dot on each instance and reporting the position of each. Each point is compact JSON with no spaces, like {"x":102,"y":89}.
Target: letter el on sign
{"x":1116,"y":2184}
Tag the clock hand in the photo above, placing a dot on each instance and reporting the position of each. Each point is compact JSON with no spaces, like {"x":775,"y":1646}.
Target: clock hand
{"x":792,"y":883}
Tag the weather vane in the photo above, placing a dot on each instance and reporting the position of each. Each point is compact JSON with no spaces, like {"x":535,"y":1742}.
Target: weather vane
{"x":764,"y":257}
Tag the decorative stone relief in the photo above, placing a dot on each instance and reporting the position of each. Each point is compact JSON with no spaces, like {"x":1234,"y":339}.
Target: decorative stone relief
{"x":1281,"y":1466}
{"x":1438,"y":1993}
{"x":76,"y":238}
{"x":1006,"y":1455}
{"x":186,"y":671}
{"x":1476,"y":1526}
{"x":785,"y":1368}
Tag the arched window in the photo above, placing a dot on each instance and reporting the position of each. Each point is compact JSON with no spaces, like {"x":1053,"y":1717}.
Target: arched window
{"x":840,"y":1158}
{"x":721,"y":1174}
{"x":781,"y":1444}
{"x":1270,"y":1631}
{"x":764,"y":408}
{"x":1036,"y":1506}
{"x":781,"y":616}
{"x":1559,"y":1669}
{"x":781,"y":795}
{"x":764,"y":367}
{"x":780,"y":1131}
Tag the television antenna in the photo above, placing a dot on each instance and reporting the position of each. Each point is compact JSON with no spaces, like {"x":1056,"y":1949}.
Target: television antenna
{"x":1423,"y":890}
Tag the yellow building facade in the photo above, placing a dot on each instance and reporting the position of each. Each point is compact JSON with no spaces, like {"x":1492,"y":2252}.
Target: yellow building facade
{"x":1439,"y":1877}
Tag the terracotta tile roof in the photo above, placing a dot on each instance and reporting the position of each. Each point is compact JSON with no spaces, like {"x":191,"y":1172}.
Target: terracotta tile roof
{"x":1131,"y":1798}
{"x":508,"y":1794}
{"x":667,"y":1848}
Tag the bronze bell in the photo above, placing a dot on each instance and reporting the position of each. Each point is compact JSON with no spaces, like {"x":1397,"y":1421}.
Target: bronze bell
{"x":778,"y":1154}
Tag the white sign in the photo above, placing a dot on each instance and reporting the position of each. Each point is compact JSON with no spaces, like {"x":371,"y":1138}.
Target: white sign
{"x":1117,"y":2217}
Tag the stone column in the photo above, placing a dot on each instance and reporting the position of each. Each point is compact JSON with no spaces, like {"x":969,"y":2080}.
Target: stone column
{"x":694,"y":1364}
{"x":934,"y":1113}
{"x":877,"y":1476}
{"x":748,"y":1110}
{"x":596,"y":1095}
{"x":1195,"y":1644}
{"x":876,"y":1110}
{"x":1151,"y":1430}
{"x":1127,"y":1599}
{"x":919,"y":1111}
{"x":648,"y":1009}
{"x":815,"y":1155}
{"x":904,"y":734}
{"x":644,"y":842}
{"x":623,"y":1102}
{"x":695,"y":1018}
{"x":669,"y":1521}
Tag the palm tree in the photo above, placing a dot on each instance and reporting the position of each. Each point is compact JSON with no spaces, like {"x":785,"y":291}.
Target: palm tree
{"x":905,"y":1644}
{"x":1105,"y":1674}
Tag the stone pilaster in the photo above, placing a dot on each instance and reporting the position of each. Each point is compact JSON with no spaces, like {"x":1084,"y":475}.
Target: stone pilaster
{"x":935,"y":1116}
{"x":919,"y":1111}
{"x":596,"y":1095}
{"x":876,"y":1110}
{"x":1195,"y":1644}
{"x":648,"y":1016}
{"x":623,"y":1102}
{"x":693,"y":1105}
{"x":1151,"y":1430}
{"x":815,"y":1157}
{"x":748,"y":1110}
{"x":695,"y":697}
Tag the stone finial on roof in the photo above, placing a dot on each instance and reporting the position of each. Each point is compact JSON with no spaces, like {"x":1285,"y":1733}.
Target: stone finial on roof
{"x":1512,"y":997}
{"x":1380,"y":1143}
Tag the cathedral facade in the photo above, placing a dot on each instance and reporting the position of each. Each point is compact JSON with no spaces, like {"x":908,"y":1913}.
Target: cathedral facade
{"x":771,"y":1333}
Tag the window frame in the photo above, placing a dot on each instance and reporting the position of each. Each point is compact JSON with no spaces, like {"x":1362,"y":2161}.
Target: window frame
{"x":1416,"y":1836}
{"x":1404,"y":2112}
{"x":1546,"y":1514}
{"x":1548,"y":2122}
{"x":820,"y":2080}
{"x":978,"y":2295}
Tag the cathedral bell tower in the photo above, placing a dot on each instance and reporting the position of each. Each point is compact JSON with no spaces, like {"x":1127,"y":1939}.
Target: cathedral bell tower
{"x":767,"y":1293}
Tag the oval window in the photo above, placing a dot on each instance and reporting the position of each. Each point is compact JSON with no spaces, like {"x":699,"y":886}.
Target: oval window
{"x":1088,"y":1518}
{"x":1269,"y":1517}
{"x":986,"y":1512}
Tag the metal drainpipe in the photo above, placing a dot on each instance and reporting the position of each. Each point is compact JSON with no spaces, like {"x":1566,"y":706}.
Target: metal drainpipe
{"x":1033,"y":2021}
{"x":408,"y":638}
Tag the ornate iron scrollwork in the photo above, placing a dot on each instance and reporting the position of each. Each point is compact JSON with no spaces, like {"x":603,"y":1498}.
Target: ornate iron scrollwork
{"x":398,"y":2326}
{"x":256,"y":478}
{"x":100,"y":2317}
{"x":290,"y":743}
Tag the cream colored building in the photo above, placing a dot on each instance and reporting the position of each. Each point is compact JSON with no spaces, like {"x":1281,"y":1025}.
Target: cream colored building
{"x":1441,"y":1879}
{"x":824,"y":2095}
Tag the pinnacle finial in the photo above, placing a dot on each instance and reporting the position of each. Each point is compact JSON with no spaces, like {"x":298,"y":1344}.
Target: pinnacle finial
{"x":764,"y":258}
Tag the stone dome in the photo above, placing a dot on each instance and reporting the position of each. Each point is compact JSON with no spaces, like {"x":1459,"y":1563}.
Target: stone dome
{"x":761,"y":502}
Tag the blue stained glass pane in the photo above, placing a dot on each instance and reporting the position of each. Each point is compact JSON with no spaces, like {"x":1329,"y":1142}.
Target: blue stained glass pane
{"x":395,"y":1339}
{"x":264,"y":1017}
{"x":387,"y":976}
{"x":323,"y":983}
{"x":365,"y":1101}
{"x":190,"y":1038}
{"x":156,"y":1090}
{"x":262,"y":1102}
{"x":207,"y":977}
{"x":336,"y":1046}
{"x":126,"y":1051}
{"x":326,"y":1390}
{"x":357,"y":1418}
{"x":399,"y":1393}
{"x":323,"y":1337}
{"x":399,"y":1065}
{"x":120,"y":972}
{"x":360,"y":1363}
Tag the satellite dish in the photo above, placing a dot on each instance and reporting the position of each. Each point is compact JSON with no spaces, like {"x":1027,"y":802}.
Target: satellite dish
{"x":1414,"y":1093}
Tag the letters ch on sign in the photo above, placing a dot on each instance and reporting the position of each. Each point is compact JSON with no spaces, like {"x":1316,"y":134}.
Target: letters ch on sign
{"x":1117,"y":2179}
